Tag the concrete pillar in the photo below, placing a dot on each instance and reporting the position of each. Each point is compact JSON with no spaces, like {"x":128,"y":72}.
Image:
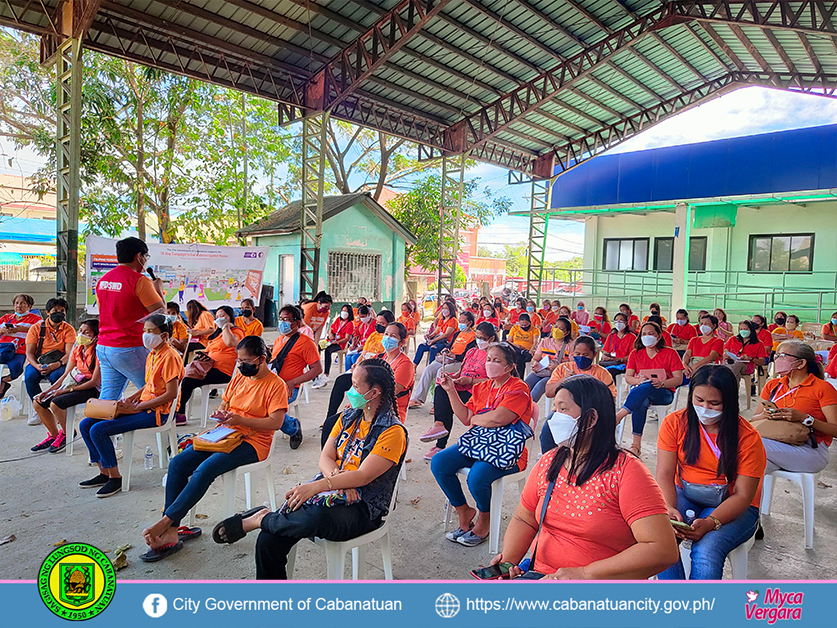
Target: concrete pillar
{"x":591,"y":261}
{"x":680,"y":265}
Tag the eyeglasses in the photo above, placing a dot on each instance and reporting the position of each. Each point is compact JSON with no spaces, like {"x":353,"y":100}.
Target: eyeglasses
{"x":788,"y":355}
{"x":250,"y":362}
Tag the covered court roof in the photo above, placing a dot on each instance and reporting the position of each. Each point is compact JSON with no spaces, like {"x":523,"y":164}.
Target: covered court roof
{"x":530,"y":85}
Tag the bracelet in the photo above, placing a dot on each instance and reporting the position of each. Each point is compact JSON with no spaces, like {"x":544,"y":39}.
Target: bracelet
{"x":717,"y":521}
{"x":328,"y":481}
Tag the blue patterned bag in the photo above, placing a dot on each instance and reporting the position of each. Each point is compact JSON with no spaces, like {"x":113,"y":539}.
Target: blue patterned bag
{"x":500,"y":446}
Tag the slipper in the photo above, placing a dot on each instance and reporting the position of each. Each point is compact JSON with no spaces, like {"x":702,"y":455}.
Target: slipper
{"x":453,"y":535}
{"x":434,"y":433}
{"x":185,"y":533}
{"x":153,"y":555}
{"x":233,"y":530}
{"x":469,"y":539}
{"x":636,"y":451}
{"x":414,"y":404}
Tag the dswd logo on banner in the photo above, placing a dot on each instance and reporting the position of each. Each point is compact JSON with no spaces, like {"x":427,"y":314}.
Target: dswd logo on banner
{"x":76,"y":581}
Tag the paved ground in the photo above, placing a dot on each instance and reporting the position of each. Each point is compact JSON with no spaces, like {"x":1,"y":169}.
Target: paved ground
{"x":41,"y":505}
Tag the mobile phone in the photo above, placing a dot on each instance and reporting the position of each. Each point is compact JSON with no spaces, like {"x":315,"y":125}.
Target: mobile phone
{"x":151,"y":273}
{"x":654,"y":376}
{"x":531,"y":575}
{"x":769,"y":405}
{"x":492,"y":572}
{"x":681,"y":524}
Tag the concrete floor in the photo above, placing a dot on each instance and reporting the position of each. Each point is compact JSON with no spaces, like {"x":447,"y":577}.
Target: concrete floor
{"x":41,"y":505}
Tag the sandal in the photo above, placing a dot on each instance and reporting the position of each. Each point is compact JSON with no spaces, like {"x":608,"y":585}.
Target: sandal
{"x":185,"y":533}
{"x":469,"y":539}
{"x":636,"y":451}
{"x":453,"y":535}
{"x":153,"y":555}
{"x":233,"y":530}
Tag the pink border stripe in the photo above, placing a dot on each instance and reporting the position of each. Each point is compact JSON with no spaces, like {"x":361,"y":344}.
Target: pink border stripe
{"x":472,"y":581}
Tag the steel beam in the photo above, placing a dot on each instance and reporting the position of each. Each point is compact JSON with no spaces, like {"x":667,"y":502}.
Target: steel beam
{"x":538,"y":225}
{"x":453,"y":189}
{"x":314,"y":148}
{"x":806,"y":16}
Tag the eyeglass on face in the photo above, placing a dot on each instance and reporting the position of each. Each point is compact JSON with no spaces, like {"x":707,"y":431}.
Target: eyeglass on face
{"x":250,"y":362}
{"x":287,"y":319}
{"x":787,"y":355}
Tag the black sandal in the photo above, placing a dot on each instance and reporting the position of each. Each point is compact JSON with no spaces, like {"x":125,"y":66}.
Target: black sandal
{"x":185,"y":533}
{"x":233,"y":530}
{"x":153,"y":555}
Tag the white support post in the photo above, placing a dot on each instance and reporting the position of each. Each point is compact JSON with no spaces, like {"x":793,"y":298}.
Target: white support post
{"x":680,"y":265}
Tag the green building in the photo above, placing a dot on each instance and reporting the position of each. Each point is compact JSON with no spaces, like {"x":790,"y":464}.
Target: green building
{"x":362,"y":250}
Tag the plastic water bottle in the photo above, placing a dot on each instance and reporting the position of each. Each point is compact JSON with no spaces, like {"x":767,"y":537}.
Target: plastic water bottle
{"x":690,"y":514}
{"x":149,"y":459}
{"x":689,"y":518}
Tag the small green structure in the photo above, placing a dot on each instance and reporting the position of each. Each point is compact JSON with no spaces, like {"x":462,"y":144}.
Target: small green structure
{"x":362,"y":250}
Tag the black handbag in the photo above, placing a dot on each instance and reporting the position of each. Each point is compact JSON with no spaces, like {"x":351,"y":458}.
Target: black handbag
{"x":52,"y":356}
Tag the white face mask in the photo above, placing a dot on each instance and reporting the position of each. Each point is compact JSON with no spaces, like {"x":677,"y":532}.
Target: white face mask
{"x":486,"y":313}
{"x":564,"y":428}
{"x":344,"y":315}
{"x":705,"y":329}
{"x":619,"y":325}
{"x":221,"y":321}
{"x":681,"y":321}
{"x":707,"y":416}
{"x":365,"y":319}
{"x":482,"y":345}
{"x":151,"y":341}
{"x":649,"y":341}
{"x":555,"y":308}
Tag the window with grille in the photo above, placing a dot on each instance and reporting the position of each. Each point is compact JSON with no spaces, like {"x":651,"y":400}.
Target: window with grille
{"x":353,"y":275}
{"x":781,"y":253}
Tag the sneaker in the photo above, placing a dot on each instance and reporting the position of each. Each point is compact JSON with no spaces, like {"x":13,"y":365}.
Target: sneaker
{"x":453,"y":535}
{"x":320,"y":381}
{"x":44,"y":444}
{"x":296,"y":439}
{"x":433,"y":451}
{"x":469,"y":539}
{"x":34,"y":420}
{"x":213,"y":394}
{"x":180,"y":419}
{"x":111,"y":487}
{"x":434,"y":433}
{"x":59,"y":443}
{"x":99,"y":480}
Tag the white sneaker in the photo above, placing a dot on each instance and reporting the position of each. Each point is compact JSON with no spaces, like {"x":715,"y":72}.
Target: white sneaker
{"x":34,"y":420}
{"x":320,"y":381}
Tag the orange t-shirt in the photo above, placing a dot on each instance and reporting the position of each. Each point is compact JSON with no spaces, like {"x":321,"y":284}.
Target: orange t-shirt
{"x":444,"y":325}
{"x":405,"y":374}
{"x":54,"y":338}
{"x":462,"y":340}
{"x":205,"y":321}
{"x":795,"y":334}
{"x":250,"y":329}
{"x":810,"y":397}
{"x":179,"y":331}
{"x":568,"y":369}
{"x":304,"y":353}
{"x":751,"y":455}
{"x":83,"y":358}
{"x":829,"y":329}
{"x":702,"y":349}
{"x":513,"y":395}
{"x":409,"y":322}
{"x":256,"y":399}
{"x":524,"y":338}
{"x":224,"y":355}
{"x":584,"y":524}
{"x":161,"y":366}
{"x":536,"y":320}
{"x":313,"y":317}
{"x":391,"y":444}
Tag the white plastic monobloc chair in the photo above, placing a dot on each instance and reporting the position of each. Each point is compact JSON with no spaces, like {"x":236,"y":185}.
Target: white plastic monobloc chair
{"x":807,"y":483}
{"x":336,"y":550}
{"x":169,"y":428}
{"x":737,"y":559}
{"x":230,"y":479}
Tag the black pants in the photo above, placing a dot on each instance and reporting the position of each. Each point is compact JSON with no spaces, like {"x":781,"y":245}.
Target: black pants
{"x":330,"y":350}
{"x":74,"y":398}
{"x":443,"y":412}
{"x":188,"y":385}
{"x":522,"y":358}
{"x":341,"y":386}
{"x":195,"y":346}
{"x":281,"y":532}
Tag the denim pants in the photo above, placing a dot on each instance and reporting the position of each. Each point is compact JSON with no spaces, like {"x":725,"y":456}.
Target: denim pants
{"x":432,"y":349}
{"x":537,"y":385}
{"x":616,"y":369}
{"x":15,"y":361}
{"x":191,"y":473}
{"x":291,"y":425}
{"x":351,"y":358}
{"x":708,"y":554}
{"x":33,"y":377}
{"x":448,"y":461}
{"x":118,"y":366}
{"x":640,"y":398}
{"x":97,"y":432}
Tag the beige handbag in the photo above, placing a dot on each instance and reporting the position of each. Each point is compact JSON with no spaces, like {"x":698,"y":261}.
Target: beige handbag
{"x":100,"y":409}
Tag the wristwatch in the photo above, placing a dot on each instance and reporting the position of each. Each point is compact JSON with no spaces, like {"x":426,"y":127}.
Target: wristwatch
{"x":717,"y":521}
{"x":808,"y":421}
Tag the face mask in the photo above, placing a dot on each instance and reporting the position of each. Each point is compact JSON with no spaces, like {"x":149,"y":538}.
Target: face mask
{"x":598,"y":317}
{"x":833,"y":320}
{"x":529,"y":308}
{"x":744,"y":333}
{"x":482,"y":345}
{"x":655,"y":313}
{"x":221,"y":321}
{"x":356,"y":399}
{"x":705,"y":329}
{"x":248,"y":370}
{"x":649,"y":341}
{"x":22,"y":314}
{"x":555,"y":308}
{"x":707,"y":416}
{"x":284,"y":328}
{"x":151,"y":341}
{"x":525,"y":326}
{"x":463,"y":326}
{"x":780,"y":322}
{"x":380,"y":328}
{"x":323,"y":307}
{"x":580,"y":307}
{"x":564,"y":429}
{"x":557,"y":334}
{"x":57,"y":317}
{"x":583,"y":362}
{"x":389,"y":343}
{"x":344,"y":315}
{"x":247,"y":313}
{"x":619,"y":325}
{"x":783,"y":366}
{"x":495,"y":370}
{"x":445,"y":313}
{"x":84,"y":341}
{"x":681,"y":321}
{"x":486,"y":313}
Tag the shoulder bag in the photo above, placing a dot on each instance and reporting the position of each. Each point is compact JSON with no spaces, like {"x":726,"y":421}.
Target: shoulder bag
{"x":279,"y":361}
{"x":784,"y":431}
{"x":100,"y":409}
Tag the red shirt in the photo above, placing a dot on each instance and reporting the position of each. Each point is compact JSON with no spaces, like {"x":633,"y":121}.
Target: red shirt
{"x":124,"y":296}
{"x":667,"y":338}
{"x":493,"y":320}
{"x":683,"y":332}
{"x":766,"y":339}
{"x":620,"y":347}
{"x":18,"y":339}
{"x":342,"y":329}
{"x":514,"y":315}
{"x":751,"y":350}
{"x":363,"y":330}
{"x":831,"y":369}
{"x":666,"y":359}
{"x":601,"y":327}
{"x":702,"y":349}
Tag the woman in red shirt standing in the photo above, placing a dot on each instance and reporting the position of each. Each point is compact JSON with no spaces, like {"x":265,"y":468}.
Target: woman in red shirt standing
{"x":655,"y":372}
{"x":747,"y":347}
{"x":705,"y":349}
{"x":681,"y":332}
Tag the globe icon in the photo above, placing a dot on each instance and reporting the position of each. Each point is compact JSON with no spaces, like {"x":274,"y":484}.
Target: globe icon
{"x":447,"y":605}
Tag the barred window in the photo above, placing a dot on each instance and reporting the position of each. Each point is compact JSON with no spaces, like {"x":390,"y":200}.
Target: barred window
{"x":353,"y":275}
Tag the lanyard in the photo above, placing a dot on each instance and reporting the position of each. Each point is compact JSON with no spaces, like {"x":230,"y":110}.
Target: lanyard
{"x":790,"y":392}
{"x":488,"y":405}
{"x":715,"y":449}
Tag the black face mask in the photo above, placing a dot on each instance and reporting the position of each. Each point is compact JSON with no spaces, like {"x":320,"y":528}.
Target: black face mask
{"x":525,"y":327}
{"x":248,"y":370}
{"x":780,"y":322}
{"x":654,"y":313}
{"x":380,"y":328}
{"x":247,"y":313}
{"x":57,"y":317}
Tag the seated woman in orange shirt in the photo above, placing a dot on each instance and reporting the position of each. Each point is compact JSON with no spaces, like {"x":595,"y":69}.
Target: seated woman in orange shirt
{"x":710,"y":461}
{"x":179,"y":332}
{"x":201,"y":324}
{"x":829,"y":330}
{"x":251,"y":325}
{"x":407,"y":319}
{"x":220,"y":348}
{"x":254,"y":404}
{"x":605,"y":517}
{"x":790,"y":331}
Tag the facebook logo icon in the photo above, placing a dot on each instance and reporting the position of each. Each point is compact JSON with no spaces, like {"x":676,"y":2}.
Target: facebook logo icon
{"x":155,"y":605}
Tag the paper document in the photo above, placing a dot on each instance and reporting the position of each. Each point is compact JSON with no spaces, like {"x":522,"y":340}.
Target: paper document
{"x":217,"y":434}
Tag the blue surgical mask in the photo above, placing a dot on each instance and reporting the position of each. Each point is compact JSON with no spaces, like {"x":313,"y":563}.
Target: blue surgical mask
{"x":389,"y":343}
{"x":583,"y":362}
{"x":529,"y":308}
{"x":463,"y":326}
{"x":834,"y":321}
{"x":284,"y":328}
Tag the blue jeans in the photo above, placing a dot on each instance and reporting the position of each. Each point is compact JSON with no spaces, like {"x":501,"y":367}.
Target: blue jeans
{"x":97,"y":432}
{"x":537,"y":386}
{"x":118,"y":365}
{"x":709,"y":553}
{"x":616,"y":369}
{"x":191,"y":473}
{"x":15,"y":361}
{"x":33,"y":377}
{"x":351,"y":358}
{"x":448,"y":461}
{"x":640,"y":398}
{"x":432,"y":349}
{"x":291,"y":425}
